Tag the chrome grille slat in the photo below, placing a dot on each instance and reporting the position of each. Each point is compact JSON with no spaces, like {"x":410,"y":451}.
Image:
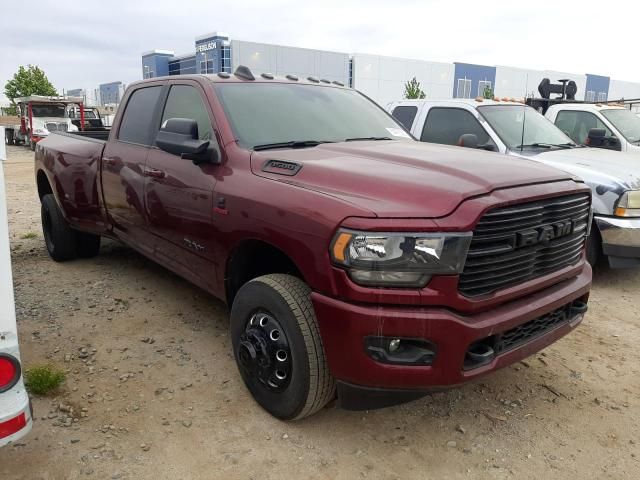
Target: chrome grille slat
{"x":496,"y":261}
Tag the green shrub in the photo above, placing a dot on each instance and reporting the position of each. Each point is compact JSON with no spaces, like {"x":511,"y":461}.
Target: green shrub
{"x":43,"y":379}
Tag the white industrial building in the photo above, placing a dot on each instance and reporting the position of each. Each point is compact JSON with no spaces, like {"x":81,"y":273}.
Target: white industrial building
{"x":379,"y":77}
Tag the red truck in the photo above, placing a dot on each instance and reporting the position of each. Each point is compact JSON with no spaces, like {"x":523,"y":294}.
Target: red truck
{"x":353,"y":258}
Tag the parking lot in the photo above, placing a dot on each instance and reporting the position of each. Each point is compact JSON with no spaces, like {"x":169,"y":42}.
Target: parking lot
{"x":152,"y":390}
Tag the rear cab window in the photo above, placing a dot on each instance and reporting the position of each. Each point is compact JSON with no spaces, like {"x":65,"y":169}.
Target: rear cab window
{"x":405,"y":114}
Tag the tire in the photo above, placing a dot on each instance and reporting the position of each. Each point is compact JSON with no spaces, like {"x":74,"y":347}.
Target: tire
{"x":9,"y":137}
{"x":88,"y":244}
{"x":60,"y":239}
{"x":32,"y":145}
{"x":282,"y":302}
{"x":594,"y":246}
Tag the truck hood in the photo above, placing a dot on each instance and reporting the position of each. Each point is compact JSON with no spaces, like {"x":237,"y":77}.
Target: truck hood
{"x":400,"y":178}
{"x":596,"y":166}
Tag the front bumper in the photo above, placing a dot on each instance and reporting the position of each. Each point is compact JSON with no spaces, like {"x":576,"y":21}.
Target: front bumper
{"x":620,"y":240}
{"x":344,"y":327}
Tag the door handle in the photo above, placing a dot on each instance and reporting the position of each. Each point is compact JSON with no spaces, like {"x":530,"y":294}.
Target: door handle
{"x":153,"y":173}
{"x":108,"y":161}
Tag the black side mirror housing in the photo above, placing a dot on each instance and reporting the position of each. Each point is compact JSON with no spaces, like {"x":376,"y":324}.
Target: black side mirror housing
{"x":468,"y":140}
{"x":597,"y":137}
{"x":179,"y":136}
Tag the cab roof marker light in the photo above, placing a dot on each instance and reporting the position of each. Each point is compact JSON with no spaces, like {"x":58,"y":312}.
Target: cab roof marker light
{"x":479,"y":99}
{"x":313,"y":79}
{"x":224,"y":75}
{"x":292,"y":77}
{"x":324,"y":80}
{"x":244,"y":73}
{"x":268,"y":76}
{"x":340,"y":84}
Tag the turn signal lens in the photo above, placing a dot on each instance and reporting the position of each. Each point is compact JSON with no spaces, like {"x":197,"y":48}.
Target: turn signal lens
{"x":628,"y":204}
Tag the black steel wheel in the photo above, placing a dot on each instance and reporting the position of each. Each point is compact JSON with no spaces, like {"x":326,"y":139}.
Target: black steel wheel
{"x":264,"y":352}
{"x":278,"y":348}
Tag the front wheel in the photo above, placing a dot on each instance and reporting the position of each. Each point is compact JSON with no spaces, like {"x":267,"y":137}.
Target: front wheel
{"x":9,"y":137}
{"x":278,"y":348}
{"x":594,"y":246}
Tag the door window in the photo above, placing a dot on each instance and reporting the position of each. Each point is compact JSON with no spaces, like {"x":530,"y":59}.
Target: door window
{"x":464,"y":88}
{"x":136,"y":121}
{"x":405,"y":115}
{"x":576,"y":124}
{"x":447,"y":125}
{"x":184,"y":101}
{"x":482,"y":86}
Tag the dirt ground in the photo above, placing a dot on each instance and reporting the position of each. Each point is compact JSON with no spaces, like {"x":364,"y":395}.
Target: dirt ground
{"x":152,"y":391}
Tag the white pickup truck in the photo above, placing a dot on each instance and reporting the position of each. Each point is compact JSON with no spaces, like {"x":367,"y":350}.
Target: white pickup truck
{"x":518,"y":130}
{"x":15,"y":408}
{"x":621,"y":126}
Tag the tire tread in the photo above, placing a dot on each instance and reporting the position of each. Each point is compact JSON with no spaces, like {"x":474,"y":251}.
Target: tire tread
{"x":297,"y":295}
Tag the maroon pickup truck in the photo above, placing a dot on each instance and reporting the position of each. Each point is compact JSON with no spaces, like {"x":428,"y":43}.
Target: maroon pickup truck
{"x":355,"y":260}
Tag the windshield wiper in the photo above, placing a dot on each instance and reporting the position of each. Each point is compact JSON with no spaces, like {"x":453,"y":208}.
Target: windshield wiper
{"x":291,"y":144}
{"x":547,"y":145}
{"x":362,"y":139}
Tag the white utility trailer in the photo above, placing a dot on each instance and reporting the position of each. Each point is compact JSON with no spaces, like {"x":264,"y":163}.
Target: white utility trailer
{"x":15,"y":408}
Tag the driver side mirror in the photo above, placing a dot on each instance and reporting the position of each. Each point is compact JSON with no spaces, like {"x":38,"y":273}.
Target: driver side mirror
{"x":597,"y":137}
{"x":179,"y":136}
{"x":468,"y":140}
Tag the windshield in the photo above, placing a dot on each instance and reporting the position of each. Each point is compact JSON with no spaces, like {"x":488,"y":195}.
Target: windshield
{"x":263,"y":114}
{"x":627,"y":123}
{"x":508,"y":121}
{"x":48,"y":110}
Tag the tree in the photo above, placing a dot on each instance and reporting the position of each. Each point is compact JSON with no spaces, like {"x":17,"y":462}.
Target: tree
{"x":488,"y":92}
{"x":28,"y":81}
{"x":412,"y":90}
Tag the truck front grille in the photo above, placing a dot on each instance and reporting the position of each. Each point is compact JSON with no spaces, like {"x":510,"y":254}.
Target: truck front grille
{"x":517,"y":243}
{"x":56,"y":127}
{"x":528,"y":331}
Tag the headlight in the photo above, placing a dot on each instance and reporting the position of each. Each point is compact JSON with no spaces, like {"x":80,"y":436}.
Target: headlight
{"x":628,"y":204}
{"x":399,"y":259}
{"x":73,"y":128}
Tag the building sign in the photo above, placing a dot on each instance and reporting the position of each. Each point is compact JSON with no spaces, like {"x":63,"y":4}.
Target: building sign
{"x":204,"y":47}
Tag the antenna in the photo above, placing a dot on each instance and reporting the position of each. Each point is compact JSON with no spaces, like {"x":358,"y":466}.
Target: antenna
{"x":524,"y":121}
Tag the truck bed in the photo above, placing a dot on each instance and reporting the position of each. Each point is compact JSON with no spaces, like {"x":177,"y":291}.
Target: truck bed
{"x":72,"y":164}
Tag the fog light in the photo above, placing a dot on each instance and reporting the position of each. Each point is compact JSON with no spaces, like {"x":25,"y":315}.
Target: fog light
{"x":394,"y":344}
{"x":400,"y":351}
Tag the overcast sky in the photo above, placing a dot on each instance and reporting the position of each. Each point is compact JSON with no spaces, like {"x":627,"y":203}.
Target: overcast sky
{"x":82,"y":44}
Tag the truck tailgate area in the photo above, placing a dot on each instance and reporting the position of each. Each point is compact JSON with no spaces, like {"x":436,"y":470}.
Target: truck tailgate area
{"x":71,"y":164}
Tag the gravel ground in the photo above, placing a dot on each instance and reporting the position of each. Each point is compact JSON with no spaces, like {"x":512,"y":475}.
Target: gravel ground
{"x":152,"y":391}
